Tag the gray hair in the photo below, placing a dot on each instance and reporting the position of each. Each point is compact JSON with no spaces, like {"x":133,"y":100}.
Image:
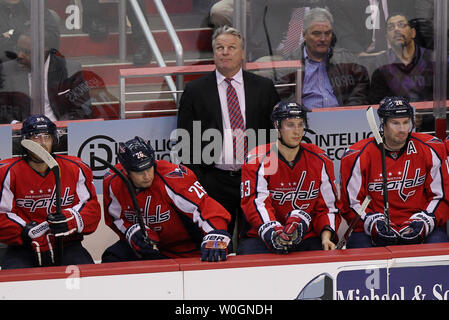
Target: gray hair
{"x":317,"y":15}
{"x":227,"y":30}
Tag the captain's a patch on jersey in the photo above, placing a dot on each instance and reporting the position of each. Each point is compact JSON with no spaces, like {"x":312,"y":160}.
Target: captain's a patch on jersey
{"x":179,"y":172}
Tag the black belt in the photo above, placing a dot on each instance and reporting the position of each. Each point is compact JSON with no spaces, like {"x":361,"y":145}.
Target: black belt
{"x":230,"y":173}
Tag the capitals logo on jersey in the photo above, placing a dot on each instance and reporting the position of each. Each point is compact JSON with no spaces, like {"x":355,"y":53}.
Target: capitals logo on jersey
{"x":298,"y":194}
{"x":401,"y":183}
{"x":42,"y":200}
{"x":149,"y":218}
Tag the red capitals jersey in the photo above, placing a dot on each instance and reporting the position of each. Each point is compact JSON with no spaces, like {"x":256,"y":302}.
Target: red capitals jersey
{"x":272,"y":187}
{"x":176,"y":206}
{"x":417,"y":179}
{"x":27,"y":196}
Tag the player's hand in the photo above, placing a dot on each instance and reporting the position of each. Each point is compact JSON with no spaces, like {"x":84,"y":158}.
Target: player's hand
{"x":37,"y":236}
{"x":326,"y":241}
{"x":215,"y":246}
{"x":296,"y":226}
{"x":376,"y":226}
{"x":273,"y":236}
{"x":145,"y":248}
{"x":416,"y":228}
{"x":65,"y":223}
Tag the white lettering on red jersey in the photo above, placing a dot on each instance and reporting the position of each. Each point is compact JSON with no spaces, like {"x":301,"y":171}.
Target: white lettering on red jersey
{"x":176,"y":206}
{"x":271,"y":188}
{"x":417,"y":179}
{"x":27,"y":196}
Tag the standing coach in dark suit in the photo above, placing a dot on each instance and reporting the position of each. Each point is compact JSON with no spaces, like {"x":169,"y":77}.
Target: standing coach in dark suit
{"x":204,"y":104}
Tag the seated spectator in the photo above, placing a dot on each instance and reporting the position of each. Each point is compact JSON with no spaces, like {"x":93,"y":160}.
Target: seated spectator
{"x":14,"y":15}
{"x":405,"y":69}
{"x":222,"y":13}
{"x":67,"y":93}
{"x":331,"y":75}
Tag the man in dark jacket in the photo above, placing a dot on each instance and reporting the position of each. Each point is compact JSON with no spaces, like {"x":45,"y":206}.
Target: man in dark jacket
{"x":14,"y":15}
{"x":405,"y":69}
{"x":331,"y":77}
{"x":67,"y":93}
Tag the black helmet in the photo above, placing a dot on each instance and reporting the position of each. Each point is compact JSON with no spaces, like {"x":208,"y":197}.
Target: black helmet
{"x":394,"y":107}
{"x":287,"y":110}
{"x":136,"y":154}
{"x":36,"y":124}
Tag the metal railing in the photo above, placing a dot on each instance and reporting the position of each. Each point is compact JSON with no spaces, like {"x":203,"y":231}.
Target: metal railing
{"x":140,"y":16}
{"x":195,"y":70}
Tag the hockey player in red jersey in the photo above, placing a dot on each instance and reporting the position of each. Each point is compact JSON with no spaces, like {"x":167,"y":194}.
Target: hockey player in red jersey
{"x":29,"y":223}
{"x":288,"y":194}
{"x":180,"y":218}
{"x":417,"y":182}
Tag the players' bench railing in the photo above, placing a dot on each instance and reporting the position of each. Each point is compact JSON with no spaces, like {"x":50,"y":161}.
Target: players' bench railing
{"x":124,"y":74}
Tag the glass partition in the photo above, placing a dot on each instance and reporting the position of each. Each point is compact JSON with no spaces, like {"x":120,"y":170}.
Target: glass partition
{"x":353,"y":52}
{"x":373,"y":48}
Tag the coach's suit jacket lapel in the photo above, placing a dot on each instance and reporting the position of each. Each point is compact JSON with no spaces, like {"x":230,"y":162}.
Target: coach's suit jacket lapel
{"x":211,"y":91}
{"x":250,"y":103}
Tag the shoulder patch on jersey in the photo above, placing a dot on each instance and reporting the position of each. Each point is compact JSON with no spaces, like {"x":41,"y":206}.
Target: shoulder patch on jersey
{"x":325,"y":155}
{"x":349,"y":151}
{"x":434,"y":140}
{"x":107,"y":174}
{"x":179,"y":172}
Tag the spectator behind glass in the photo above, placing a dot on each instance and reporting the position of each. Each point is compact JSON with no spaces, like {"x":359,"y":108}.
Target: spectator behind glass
{"x":405,"y":69}
{"x":66,"y":92}
{"x":331,"y":77}
{"x":14,"y":15}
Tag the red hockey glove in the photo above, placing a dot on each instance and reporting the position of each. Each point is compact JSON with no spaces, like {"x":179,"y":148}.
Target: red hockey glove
{"x":275,"y":240}
{"x":416,"y":228}
{"x":65,"y":223}
{"x":144,"y":248}
{"x":375,"y":226}
{"x":38,"y":237}
{"x":296,"y":226}
{"x":215,"y":246}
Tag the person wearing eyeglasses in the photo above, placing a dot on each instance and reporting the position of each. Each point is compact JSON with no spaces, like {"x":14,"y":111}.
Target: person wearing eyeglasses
{"x":405,"y":69}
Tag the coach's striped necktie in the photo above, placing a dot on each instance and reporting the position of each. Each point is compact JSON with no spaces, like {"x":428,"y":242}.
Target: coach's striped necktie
{"x":240,"y":146}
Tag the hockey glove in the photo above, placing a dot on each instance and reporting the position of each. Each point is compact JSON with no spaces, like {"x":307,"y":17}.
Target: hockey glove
{"x":41,"y":241}
{"x":376,"y":227}
{"x":144,"y":248}
{"x":215,"y":246}
{"x":296,"y":226}
{"x":416,"y":228}
{"x":275,"y":240}
{"x":65,"y":223}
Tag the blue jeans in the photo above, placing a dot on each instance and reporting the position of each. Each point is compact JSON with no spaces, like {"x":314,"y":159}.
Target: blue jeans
{"x":362,"y":240}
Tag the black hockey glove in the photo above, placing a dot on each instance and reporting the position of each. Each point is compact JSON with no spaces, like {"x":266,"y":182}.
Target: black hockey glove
{"x":144,"y":248}
{"x":65,"y":223}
